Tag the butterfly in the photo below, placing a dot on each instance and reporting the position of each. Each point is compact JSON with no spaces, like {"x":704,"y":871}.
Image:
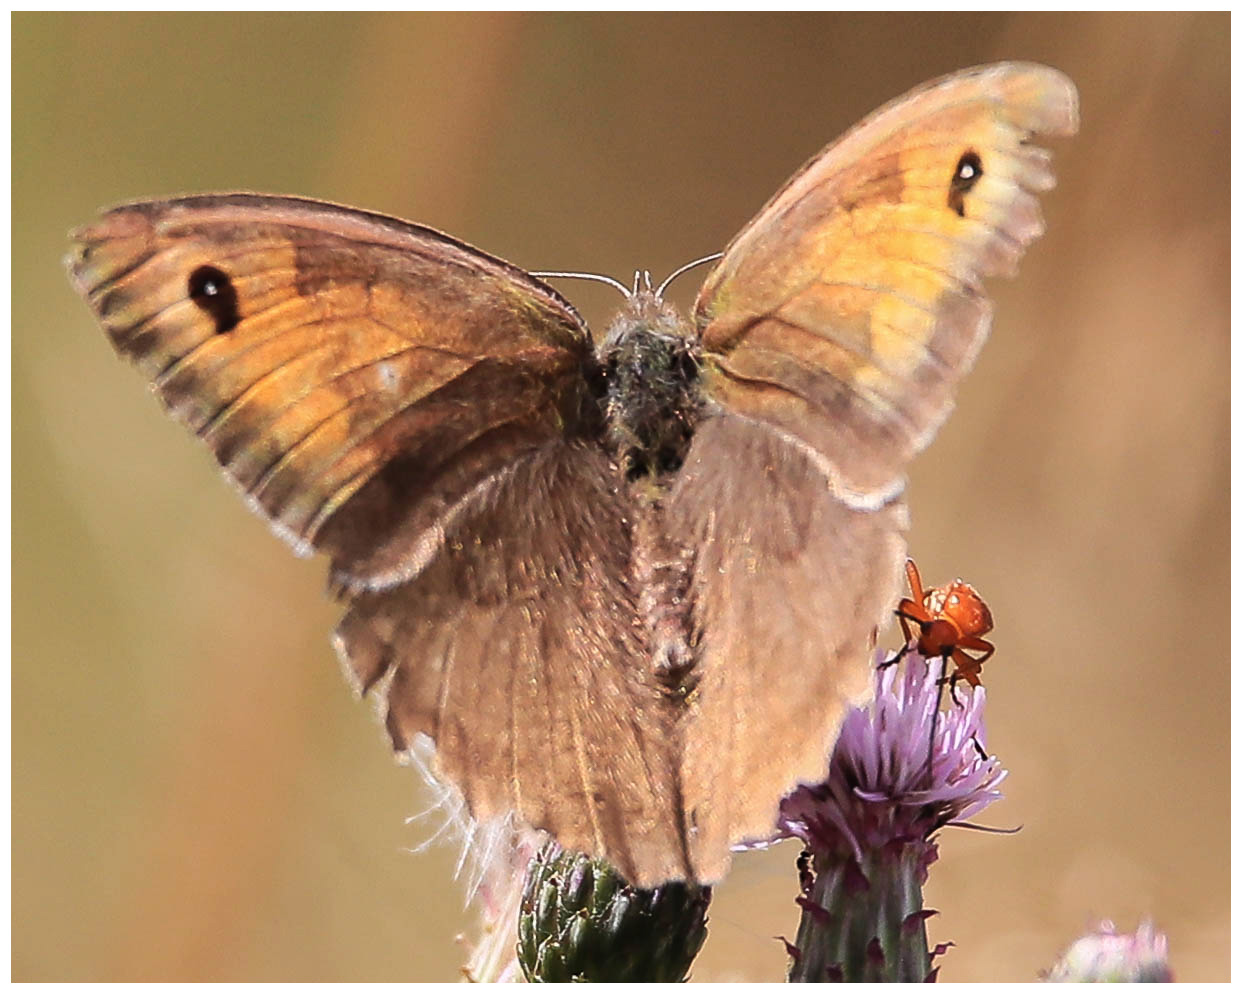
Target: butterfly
{"x":627,"y":587}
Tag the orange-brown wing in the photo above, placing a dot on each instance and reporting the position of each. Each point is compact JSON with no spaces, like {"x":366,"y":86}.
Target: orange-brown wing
{"x":420,"y":412}
{"x":311,"y":345}
{"x":843,"y":316}
{"x":788,"y":585}
{"x":519,"y":652}
{"x":834,"y":331}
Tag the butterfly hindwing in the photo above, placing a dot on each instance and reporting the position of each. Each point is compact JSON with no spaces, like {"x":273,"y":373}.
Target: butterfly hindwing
{"x":517,"y":651}
{"x":789,"y":584}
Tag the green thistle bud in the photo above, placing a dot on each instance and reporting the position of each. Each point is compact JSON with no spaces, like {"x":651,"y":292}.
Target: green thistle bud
{"x":580,"y":921}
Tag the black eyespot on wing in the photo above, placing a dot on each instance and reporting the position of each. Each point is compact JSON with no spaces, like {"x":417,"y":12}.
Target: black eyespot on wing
{"x":212,"y":290}
{"x":967,"y":173}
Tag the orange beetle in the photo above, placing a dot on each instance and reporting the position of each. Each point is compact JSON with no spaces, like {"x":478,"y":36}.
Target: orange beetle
{"x":950,"y":619}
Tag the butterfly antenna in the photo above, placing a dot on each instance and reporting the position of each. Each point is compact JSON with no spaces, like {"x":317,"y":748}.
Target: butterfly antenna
{"x":685,"y":269}
{"x":597,"y":277}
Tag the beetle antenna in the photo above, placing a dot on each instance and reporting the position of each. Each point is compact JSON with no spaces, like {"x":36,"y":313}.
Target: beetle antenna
{"x":931,"y":741}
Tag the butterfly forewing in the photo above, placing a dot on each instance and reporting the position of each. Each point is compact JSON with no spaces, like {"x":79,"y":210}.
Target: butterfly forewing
{"x":309,"y":345}
{"x":845,"y":313}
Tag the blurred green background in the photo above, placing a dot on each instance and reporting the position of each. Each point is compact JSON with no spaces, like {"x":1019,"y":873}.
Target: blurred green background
{"x":196,"y":797}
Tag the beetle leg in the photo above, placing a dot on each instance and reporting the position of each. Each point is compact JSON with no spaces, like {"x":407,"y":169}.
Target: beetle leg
{"x":908,"y":611}
{"x":979,"y":645}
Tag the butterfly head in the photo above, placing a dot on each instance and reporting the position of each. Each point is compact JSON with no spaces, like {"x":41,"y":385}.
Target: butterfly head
{"x":651,"y":372}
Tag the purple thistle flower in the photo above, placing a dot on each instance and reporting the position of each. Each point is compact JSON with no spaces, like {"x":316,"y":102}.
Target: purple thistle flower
{"x":901,"y":770}
{"x":882,"y":784}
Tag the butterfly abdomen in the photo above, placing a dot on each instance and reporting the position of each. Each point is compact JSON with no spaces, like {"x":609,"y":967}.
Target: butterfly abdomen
{"x":652,"y":399}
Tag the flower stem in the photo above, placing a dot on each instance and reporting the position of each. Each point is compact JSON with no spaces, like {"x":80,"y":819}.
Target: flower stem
{"x":865,"y":921}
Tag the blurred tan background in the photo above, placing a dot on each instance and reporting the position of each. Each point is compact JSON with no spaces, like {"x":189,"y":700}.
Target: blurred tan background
{"x":195,"y":795}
